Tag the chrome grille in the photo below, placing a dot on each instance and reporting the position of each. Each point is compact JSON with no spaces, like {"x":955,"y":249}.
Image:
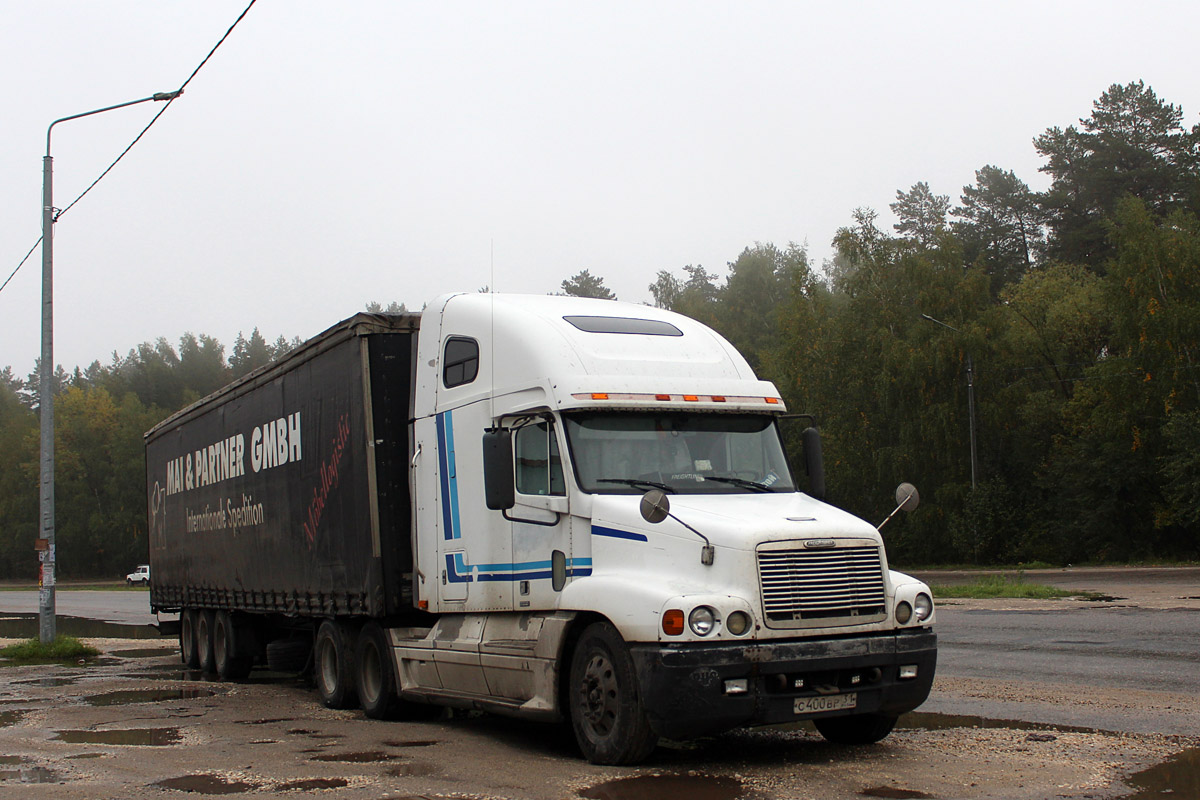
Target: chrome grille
{"x":821,"y":587}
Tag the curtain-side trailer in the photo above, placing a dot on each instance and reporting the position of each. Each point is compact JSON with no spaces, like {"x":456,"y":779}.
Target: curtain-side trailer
{"x":550,"y":507}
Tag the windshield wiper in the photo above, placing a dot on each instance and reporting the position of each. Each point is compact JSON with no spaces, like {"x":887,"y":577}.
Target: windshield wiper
{"x":760,"y":487}
{"x":635,"y":482}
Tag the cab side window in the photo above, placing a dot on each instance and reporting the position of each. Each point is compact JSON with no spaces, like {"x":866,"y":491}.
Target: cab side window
{"x":460,"y":361}
{"x":539,"y":466}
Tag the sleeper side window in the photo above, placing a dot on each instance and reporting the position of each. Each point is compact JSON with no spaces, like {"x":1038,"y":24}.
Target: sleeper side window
{"x":539,"y":466}
{"x":460,"y":361}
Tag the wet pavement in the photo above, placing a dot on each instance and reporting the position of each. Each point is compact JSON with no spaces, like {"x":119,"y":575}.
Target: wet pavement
{"x":138,"y":724}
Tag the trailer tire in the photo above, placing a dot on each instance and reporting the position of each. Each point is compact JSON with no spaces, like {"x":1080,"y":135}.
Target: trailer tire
{"x":333,"y":665}
{"x":204,"y":642}
{"x":228,"y":651}
{"x":376,"y":678}
{"x":187,"y":639}
{"x":607,"y":715}
{"x":288,"y":655}
{"x":856,"y":729}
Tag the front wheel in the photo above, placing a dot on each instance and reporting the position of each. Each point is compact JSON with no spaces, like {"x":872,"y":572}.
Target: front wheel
{"x":610,"y":723}
{"x":856,"y":729}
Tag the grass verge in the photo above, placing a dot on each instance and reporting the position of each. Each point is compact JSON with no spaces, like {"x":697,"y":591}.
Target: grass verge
{"x":63,"y":650}
{"x":1006,"y":586}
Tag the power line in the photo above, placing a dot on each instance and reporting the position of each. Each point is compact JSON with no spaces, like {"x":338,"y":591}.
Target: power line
{"x":136,"y":139}
{"x":23,"y":260}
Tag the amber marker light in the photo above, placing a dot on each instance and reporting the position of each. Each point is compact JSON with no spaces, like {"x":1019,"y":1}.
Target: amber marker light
{"x":599,"y":395}
{"x":691,"y":398}
{"x":673,"y":622}
{"x":772,"y":400}
{"x":662,"y":397}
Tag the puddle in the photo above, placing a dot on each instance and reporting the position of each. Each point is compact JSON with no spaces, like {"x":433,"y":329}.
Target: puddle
{"x":10,"y":718}
{"x":1176,"y":778}
{"x":10,"y":760}
{"x":48,"y":681}
{"x":655,"y":787}
{"x":29,"y":775}
{"x":919,"y":720}
{"x":368,"y":757}
{"x":312,"y":783}
{"x":894,"y":793}
{"x":145,"y":652}
{"x":89,"y":755}
{"x":141,"y":737}
{"x":265,"y":721}
{"x":206,"y":784}
{"x":27,"y":626}
{"x":415,"y":743}
{"x":130,"y":696}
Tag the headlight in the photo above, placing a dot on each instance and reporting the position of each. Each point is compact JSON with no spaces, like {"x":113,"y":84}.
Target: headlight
{"x":737,"y":623}
{"x":924,"y":605}
{"x":903,"y":612}
{"x":701,"y":620}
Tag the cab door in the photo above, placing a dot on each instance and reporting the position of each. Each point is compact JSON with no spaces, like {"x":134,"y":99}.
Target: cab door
{"x":541,"y":518}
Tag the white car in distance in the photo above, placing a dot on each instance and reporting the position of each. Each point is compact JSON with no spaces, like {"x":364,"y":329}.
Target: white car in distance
{"x":140,"y":576}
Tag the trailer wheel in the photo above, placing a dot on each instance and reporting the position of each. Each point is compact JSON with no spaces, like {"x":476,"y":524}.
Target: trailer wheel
{"x":187,"y":639}
{"x":334,"y":665}
{"x":610,"y":723}
{"x":228,"y":657}
{"x":376,"y":677}
{"x":856,"y":729}
{"x":204,"y":642}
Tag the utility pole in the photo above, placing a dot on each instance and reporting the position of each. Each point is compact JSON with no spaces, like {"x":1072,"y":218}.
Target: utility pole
{"x":45,"y":542}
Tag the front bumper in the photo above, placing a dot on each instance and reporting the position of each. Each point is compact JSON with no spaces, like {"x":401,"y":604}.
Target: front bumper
{"x":683,"y":687}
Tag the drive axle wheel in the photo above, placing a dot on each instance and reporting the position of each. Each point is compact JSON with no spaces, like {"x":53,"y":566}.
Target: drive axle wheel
{"x":607,"y":715}
{"x":333,"y":666}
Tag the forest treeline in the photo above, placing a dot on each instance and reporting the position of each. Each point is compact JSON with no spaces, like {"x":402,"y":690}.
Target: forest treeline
{"x":1075,"y":310}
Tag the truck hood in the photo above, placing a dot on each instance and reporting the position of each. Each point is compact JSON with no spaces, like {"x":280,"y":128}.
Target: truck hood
{"x":737,"y":521}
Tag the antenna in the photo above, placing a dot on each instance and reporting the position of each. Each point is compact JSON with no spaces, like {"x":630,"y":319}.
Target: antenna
{"x":492,"y":335}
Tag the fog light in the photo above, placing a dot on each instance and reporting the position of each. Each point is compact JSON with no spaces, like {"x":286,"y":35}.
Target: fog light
{"x":701,"y":620}
{"x":738,"y":623}
{"x":737,"y":686}
{"x":924,"y":607}
{"x":908,"y":672}
{"x":903,"y":612}
{"x":673,"y":622}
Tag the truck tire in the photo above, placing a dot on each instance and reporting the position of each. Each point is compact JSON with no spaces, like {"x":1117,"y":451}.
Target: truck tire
{"x":187,"y":639}
{"x":610,"y":723}
{"x":229,"y":657}
{"x":333,"y":665}
{"x":376,"y":679}
{"x":855,"y":729}
{"x":204,"y":642}
{"x":288,"y":655}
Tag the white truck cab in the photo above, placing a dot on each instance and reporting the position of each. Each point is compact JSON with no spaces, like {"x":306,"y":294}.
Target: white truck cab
{"x":559,"y":582}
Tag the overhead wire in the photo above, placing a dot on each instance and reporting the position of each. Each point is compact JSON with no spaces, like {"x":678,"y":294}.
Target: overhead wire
{"x":136,"y":139}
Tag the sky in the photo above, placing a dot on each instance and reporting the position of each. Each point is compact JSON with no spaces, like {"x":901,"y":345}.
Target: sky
{"x":334,"y":154}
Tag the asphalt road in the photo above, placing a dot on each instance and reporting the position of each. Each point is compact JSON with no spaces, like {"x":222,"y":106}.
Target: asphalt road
{"x":1108,"y":688}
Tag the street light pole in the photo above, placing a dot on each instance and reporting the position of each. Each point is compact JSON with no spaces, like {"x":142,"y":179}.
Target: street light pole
{"x":970,"y":396}
{"x":45,"y":543}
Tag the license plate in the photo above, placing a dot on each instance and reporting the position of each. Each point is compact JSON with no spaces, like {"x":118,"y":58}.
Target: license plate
{"x":825,"y":702}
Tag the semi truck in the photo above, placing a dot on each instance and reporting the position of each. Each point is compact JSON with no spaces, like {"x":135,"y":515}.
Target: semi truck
{"x":557,"y":508}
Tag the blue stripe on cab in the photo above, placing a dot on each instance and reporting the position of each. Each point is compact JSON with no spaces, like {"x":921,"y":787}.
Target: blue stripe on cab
{"x":600,"y":530}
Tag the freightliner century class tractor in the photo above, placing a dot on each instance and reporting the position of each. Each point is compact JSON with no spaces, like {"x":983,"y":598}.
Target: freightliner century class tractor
{"x":556,"y":508}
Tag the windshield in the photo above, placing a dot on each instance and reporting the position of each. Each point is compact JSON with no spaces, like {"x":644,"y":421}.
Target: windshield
{"x":629,"y":453}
